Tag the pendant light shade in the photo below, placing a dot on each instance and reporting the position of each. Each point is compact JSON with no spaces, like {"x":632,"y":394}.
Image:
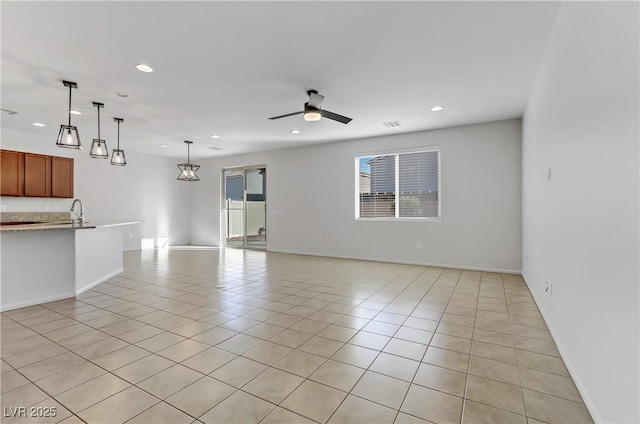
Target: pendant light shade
{"x":188,"y":170}
{"x":117,"y":155}
{"x":68,"y":136}
{"x":99,"y":146}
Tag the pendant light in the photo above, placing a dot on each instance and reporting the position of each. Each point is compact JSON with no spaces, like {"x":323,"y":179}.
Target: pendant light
{"x":99,"y":146}
{"x":188,"y":170}
{"x":68,"y":136}
{"x":117,"y":155}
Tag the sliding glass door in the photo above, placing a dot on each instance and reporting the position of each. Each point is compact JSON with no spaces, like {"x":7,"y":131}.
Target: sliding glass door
{"x":245,"y":207}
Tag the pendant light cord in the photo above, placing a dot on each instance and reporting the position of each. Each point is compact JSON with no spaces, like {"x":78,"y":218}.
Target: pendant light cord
{"x":118,"y":135}
{"x":98,"y":122}
{"x":70,"y":106}
{"x":189,"y":153}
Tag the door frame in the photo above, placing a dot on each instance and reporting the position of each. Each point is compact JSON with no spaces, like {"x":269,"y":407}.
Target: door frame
{"x":224,"y":221}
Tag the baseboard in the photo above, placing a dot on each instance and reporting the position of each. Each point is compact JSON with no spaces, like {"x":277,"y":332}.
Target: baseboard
{"x":394,"y":261}
{"x":38,"y":301}
{"x":588,"y":402}
{"x":101,"y":280}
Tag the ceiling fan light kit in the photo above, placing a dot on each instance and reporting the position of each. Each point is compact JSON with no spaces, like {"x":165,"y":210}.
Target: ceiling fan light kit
{"x":311,"y":114}
{"x":313,"y":110}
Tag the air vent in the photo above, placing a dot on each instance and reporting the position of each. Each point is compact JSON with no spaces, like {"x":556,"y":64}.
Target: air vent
{"x":215,"y":148}
{"x":10,"y":112}
{"x":391,"y":124}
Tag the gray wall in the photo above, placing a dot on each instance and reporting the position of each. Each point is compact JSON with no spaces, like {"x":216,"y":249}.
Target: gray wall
{"x":311,"y":200}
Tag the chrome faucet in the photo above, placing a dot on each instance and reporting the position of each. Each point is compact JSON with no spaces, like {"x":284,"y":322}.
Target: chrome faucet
{"x":81,"y":217}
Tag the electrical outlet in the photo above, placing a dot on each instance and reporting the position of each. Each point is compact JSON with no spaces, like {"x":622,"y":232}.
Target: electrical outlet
{"x":549,"y":174}
{"x":419,"y":245}
{"x":56,"y":207}
{"x":548,"y":288}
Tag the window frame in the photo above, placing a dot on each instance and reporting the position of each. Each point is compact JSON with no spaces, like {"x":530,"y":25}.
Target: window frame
{"x":397,"y":153}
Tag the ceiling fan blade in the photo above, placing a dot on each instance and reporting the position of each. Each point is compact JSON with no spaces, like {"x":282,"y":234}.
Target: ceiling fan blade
{"x":326,"y":114}
{"x":288,"y":114}
{"x":315,"y":100}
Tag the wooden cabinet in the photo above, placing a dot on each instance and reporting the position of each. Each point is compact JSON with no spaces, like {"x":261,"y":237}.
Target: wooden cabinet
{"x":61,"y":177}
{"x":12,"y":170}
{"x":37,"y":175}
{"x":34,"y":175}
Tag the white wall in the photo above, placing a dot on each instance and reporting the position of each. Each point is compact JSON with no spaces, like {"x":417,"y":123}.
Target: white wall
{"x":49,"y":273}
{"x":146,"y":189}
{"x":98,"y":256}
{"x":580,"y":230}
{"x":310,"y":194}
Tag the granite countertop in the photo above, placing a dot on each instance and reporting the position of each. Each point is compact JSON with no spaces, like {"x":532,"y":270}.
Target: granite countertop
{"x":43,"y":226}
{"x":42,"y":221}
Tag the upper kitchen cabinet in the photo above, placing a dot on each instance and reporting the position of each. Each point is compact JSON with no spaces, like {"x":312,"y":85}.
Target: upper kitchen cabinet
{"x":12,"y":170}
{"x":34,"y":175}
{"x":61,"y":177}
{"x":37,"y":175}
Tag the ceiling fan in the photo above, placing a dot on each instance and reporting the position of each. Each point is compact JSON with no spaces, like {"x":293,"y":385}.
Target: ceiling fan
{"x":314,"y":112}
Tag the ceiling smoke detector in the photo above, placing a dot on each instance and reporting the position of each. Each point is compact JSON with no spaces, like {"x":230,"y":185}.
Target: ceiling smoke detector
{"x":8,"y":111}
{"x":391,"y":124}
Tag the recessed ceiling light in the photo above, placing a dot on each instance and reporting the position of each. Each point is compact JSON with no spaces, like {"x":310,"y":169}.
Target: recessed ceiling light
{"x":436,"y":108}
{"x":122,"y":94}
{"x":144,"y":68}
{"x":164,"y":145}
{"x":39,"y":124}
{"x":215,"y":136}
{"x":294,"y":132}
{"x":75,"y":112}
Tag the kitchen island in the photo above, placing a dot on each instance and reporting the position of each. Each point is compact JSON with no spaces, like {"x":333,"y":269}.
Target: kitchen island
{"x":50,"y":259}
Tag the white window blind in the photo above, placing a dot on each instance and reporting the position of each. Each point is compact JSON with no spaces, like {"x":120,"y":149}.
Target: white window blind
{"x":399,"y":185}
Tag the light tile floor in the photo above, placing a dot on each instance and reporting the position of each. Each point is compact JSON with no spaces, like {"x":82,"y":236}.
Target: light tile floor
{"x":233,"y":336}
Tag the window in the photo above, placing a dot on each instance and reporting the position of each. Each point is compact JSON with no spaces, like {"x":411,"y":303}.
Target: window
{"x":398,"y":185}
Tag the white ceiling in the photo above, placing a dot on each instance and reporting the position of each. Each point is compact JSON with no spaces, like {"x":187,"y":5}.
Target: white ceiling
{"x":225,"y":67}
